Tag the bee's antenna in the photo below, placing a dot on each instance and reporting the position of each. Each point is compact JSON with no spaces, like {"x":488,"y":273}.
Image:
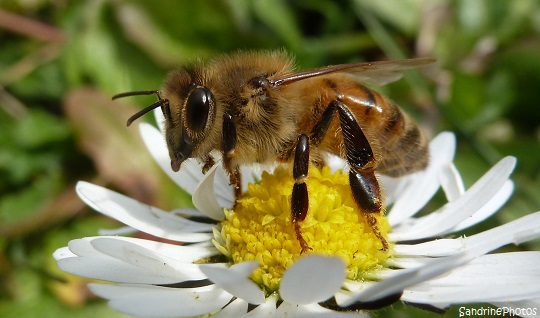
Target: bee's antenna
{"x":140,"y":113}
{"x":135,"y":93}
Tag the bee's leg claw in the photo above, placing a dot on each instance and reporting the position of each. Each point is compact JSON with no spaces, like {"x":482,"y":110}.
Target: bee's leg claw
{"x":373,"y":223}
{"x":303,"y":244}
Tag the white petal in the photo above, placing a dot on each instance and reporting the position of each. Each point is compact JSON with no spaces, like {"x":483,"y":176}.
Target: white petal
{"x":156,"y":301}
{"x":124,"y":230}
{"x":489,"y":278}
{"x":253,"y":173}
{"x":107,"y":269}
{"x":313,"y":310}
{"x":83,"y":247}
{"x":187,"y":212}
{"x":405,"y":278}
{"x":518,"y":231}
{"x":435,"y":248}
{"x":521,"y":230}
{"x":403,"y":263}
{"x":160,"y":120}
{"x":235,"y":280}
{"x":141,"y":216}
{"x":348,"y":295}
{"x":355,"y":286}
{"x":480,"y":194}
{"x":335,"y":162}
{"x":451,"y":182}
{"x":394,"y":187}
{"x":145,"y":258}
{"x":488,"y":209}
{"x":442,"y":150}
{"x":286,"y":309}
{"x":62,"y":253}
{"x":184,"y":253}
{"x":204,"y":196}
{"x":312,"y":279}
{"x":224,"y":191}
{"x":126,"y":262}
{"x":267,"y":309}
{"x":190,"y":173}
{"x":236,"y":308}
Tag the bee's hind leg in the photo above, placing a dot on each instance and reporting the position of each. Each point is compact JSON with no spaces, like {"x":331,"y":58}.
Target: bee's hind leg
{"x":363,"y":182}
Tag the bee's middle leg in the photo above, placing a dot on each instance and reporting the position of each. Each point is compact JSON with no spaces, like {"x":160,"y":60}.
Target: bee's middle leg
{"x":228,"y":145}
{"x":300,"y":198}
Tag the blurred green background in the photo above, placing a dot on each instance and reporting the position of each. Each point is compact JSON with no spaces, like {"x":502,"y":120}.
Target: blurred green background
{"x":62,"y":60}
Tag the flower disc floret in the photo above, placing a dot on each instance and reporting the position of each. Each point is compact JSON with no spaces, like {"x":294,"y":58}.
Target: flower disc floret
{"x":259,"y":227}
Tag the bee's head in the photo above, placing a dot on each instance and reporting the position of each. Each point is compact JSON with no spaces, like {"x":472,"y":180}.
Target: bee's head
{"x":189,"y":111}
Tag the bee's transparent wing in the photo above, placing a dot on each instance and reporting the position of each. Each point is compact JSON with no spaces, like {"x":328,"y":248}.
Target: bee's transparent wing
{"x":373,"y":73}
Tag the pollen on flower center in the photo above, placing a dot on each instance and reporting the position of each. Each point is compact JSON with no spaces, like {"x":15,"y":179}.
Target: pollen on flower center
{"x":260,"y":228}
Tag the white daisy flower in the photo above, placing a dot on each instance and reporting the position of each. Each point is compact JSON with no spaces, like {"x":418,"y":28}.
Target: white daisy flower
{"x":245,"y":262}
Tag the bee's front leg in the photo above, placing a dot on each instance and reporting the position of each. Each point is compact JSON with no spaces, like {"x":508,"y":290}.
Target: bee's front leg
{"x":300,"y":198}
{"x":228,"y":145}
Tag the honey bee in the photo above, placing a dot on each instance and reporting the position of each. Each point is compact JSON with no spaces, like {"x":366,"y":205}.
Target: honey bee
{"x":253,"y":107}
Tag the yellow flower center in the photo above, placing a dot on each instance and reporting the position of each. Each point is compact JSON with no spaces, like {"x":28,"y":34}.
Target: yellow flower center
{"x":260,"y":227}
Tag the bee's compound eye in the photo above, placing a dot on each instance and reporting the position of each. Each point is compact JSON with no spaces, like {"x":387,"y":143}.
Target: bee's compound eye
{"x":198,"y":107}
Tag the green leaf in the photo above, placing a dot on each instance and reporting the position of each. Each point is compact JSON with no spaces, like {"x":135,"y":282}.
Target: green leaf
{"x":279,"y":17}
{"x":467,"y":97}
{"x":39,"y":128}
{"x":24,"y":203}
{"x":405,"y":15}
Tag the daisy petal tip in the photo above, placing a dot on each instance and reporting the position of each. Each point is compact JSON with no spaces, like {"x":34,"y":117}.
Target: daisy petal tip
{"x":236,"y":281}
{"x":526,"y":235}
{"x":90,"y":193}
{"x":81,"y":187}
{"x":81,"y":184}
{"x":445,"y":137}
{"x":62,"y":253}
{"x":510,"y":161}
{"x":312,"y":279}
{"x":158,"y":301}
